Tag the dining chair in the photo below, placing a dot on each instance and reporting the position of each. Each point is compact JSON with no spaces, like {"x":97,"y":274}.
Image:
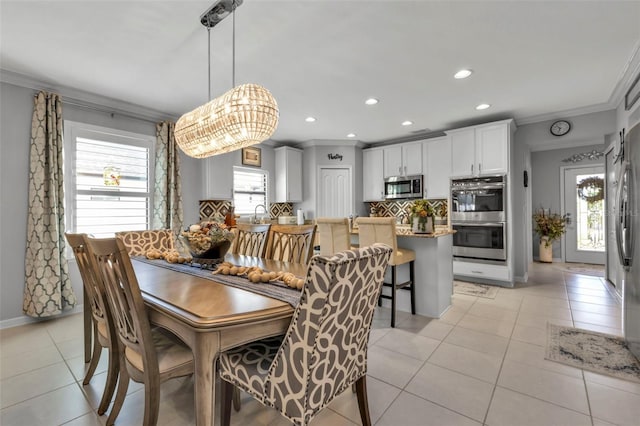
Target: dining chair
{"x":148,"y":356}
{"x":324,"y":351}
{"x":138,"y":243}
{"x":290,"y":243}
{"x":250,"y":239}
{"x":104,"y":333}
{"x":383,"y":230}
{"x":333,"y":235}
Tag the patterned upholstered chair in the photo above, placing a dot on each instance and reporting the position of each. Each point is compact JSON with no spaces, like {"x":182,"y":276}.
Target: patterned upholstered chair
{"x":333,"y":235}
{"x":324,"y":350}
{"x":250,"y":240}
{"x":383,"y":230}
{"x":104,"y":333}
{"x":149,"y":356}
{"x":291,"y":243}
{"x":139,"y":242}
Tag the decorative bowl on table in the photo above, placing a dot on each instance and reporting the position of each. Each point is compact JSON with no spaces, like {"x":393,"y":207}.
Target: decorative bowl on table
{"x":207,"y":242}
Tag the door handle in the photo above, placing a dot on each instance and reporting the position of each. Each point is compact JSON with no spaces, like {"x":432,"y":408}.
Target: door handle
{"x":568,"y":221}
{"x":624,"y":222}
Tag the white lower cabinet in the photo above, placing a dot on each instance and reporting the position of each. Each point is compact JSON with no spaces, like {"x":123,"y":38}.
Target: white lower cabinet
{"x":481,"y":270}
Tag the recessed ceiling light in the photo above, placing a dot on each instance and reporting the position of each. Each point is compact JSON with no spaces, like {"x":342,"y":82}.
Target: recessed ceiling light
{"x":310,"y":119}
{"x":407,"y":123}
{"x":371,"y":101}
{"x":351,"y":135}
{"x":482,"y":106}
{"x":462,"y":74}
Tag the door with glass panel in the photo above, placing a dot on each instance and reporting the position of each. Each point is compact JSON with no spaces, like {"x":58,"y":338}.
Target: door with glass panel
{"x":584,"y":203}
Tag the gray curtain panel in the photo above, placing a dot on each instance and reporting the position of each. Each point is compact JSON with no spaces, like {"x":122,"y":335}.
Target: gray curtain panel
{"x":167,"y":191}
{"x":47,"y":289}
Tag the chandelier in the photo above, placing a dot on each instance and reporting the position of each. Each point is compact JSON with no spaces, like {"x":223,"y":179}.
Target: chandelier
{"x":245,"y":115}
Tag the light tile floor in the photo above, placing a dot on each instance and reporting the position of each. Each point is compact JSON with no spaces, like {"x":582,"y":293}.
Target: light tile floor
{"x":481,"y":363}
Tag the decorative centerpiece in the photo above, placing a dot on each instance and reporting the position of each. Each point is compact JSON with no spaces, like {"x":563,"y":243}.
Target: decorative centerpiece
{"x":550,"y":227}
{"x":208,"y":242}
{"x":422,"y":213}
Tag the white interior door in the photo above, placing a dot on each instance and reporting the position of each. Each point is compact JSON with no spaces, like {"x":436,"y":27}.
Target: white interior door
{"x":585,"y":240}
{"x":334,"y":192}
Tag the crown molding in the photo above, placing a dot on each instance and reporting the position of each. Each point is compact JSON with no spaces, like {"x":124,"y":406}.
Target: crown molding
{"x":329,"y":142}
{"x":574,"y":112}
{"x":627,"y":76}
{"x":553,"y":145}
{"x":86,"y":99}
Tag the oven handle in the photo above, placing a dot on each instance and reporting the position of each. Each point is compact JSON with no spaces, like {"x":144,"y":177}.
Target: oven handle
{"x":487,"y":224}
{"x":472,"y":187}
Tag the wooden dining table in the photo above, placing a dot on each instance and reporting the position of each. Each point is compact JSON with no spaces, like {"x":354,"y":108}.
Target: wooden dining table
{"x":211,"y":317}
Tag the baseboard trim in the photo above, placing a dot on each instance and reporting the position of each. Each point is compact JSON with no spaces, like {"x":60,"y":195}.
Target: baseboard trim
{"x":24,"y":319}
{"x":522,"y":279}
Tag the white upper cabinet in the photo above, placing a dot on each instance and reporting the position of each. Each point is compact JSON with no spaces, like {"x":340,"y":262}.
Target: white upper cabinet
{"x":372,"y":175}
{"x":403,"y":160}
{"x":436,"y":160}
{"x":288,"y":175}
{"x":480,"y":150}
{"x":218,"y":175}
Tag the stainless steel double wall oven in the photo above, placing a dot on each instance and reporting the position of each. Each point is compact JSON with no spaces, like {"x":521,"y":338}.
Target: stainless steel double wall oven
{"x":478,"y":214}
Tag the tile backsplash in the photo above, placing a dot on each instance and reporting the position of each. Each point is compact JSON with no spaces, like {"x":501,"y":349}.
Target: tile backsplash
{"x":401,"y":208}
{"x":211,"y":209}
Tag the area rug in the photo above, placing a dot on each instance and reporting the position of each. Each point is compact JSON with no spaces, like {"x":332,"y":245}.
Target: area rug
{"x":471,"y":289}
{"x":593,"y":351}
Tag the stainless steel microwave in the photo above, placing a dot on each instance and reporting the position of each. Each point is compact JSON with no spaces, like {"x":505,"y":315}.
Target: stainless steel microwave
{"x":401,"y":187}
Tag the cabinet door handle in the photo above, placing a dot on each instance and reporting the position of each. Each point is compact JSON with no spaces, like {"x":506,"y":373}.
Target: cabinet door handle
{"x":405,"y":170}
{"x":400,"y":169}
{"x":477,"y":272}
{"x":472,"y":169}
{"x":479,"y":168}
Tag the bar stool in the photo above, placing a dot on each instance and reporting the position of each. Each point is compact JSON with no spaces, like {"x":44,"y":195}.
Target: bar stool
{"x":333,"y":235}
{"x":383,"y":230}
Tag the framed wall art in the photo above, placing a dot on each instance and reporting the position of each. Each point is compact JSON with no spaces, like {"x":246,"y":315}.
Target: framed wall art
{"x":252,"y":157}
{"x":633,"y":94}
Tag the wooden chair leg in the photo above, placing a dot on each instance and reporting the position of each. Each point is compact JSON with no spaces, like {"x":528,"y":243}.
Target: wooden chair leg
{"x":412,"y":277}
{"x":88,"y":326}
{"x":112,"y":379}
{"x":226,"y":395}
{"x":393,"y":296}
{"x":95,"y":356}
{"x":363,"y":402}
{"x":151,"y":400}
{"x":121,"y":393}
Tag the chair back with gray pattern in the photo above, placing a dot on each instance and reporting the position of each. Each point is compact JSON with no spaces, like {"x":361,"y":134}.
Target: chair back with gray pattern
{"x":139,"y":242}
{"x":325,"y":348}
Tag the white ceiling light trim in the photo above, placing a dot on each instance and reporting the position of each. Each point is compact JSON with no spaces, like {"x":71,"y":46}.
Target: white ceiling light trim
{"x":371,"y":101}
{"x":407,"y":123}
{"x":482,"y":106}
{"x":462,"y":74}
{"x":351,"y":135}
{"x":310,"y":119}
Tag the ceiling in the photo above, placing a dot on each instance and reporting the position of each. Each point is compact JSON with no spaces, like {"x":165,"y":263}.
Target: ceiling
{"x":531,"y":59}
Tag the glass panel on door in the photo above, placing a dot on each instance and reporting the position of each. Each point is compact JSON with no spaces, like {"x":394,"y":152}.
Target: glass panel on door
{"x":590,"y":230}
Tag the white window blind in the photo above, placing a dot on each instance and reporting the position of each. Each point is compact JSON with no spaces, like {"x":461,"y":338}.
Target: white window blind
{"x":110,"y":185}
{"x":249,"y":190}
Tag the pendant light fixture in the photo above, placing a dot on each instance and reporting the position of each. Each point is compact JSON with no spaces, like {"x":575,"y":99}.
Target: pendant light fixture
{"x":245,"y":115}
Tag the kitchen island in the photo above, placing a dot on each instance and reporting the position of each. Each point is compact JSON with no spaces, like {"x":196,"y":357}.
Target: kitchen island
{"x":433,"y":271}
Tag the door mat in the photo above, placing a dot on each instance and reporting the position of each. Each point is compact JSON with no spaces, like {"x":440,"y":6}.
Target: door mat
{"x":471,"y":289}
{"x":593,"y":351}
{"x":584,"y":269}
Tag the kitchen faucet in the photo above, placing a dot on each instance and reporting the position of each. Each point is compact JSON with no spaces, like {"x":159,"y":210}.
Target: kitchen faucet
{"x":255,"y":212}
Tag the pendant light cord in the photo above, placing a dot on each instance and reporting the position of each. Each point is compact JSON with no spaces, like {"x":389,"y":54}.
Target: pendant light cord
{"x":233,"y":47}
{"x":209,"y":61}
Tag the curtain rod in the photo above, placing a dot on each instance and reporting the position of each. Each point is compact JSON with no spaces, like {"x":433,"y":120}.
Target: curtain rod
{"x":112,"y":111}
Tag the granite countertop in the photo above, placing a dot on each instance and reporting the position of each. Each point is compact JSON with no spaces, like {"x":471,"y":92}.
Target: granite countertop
{"x":402,"y":231}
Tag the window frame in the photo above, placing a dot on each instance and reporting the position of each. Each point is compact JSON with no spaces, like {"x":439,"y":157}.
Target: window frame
{"x":74,"y":130}
{"x":261,"y":171}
